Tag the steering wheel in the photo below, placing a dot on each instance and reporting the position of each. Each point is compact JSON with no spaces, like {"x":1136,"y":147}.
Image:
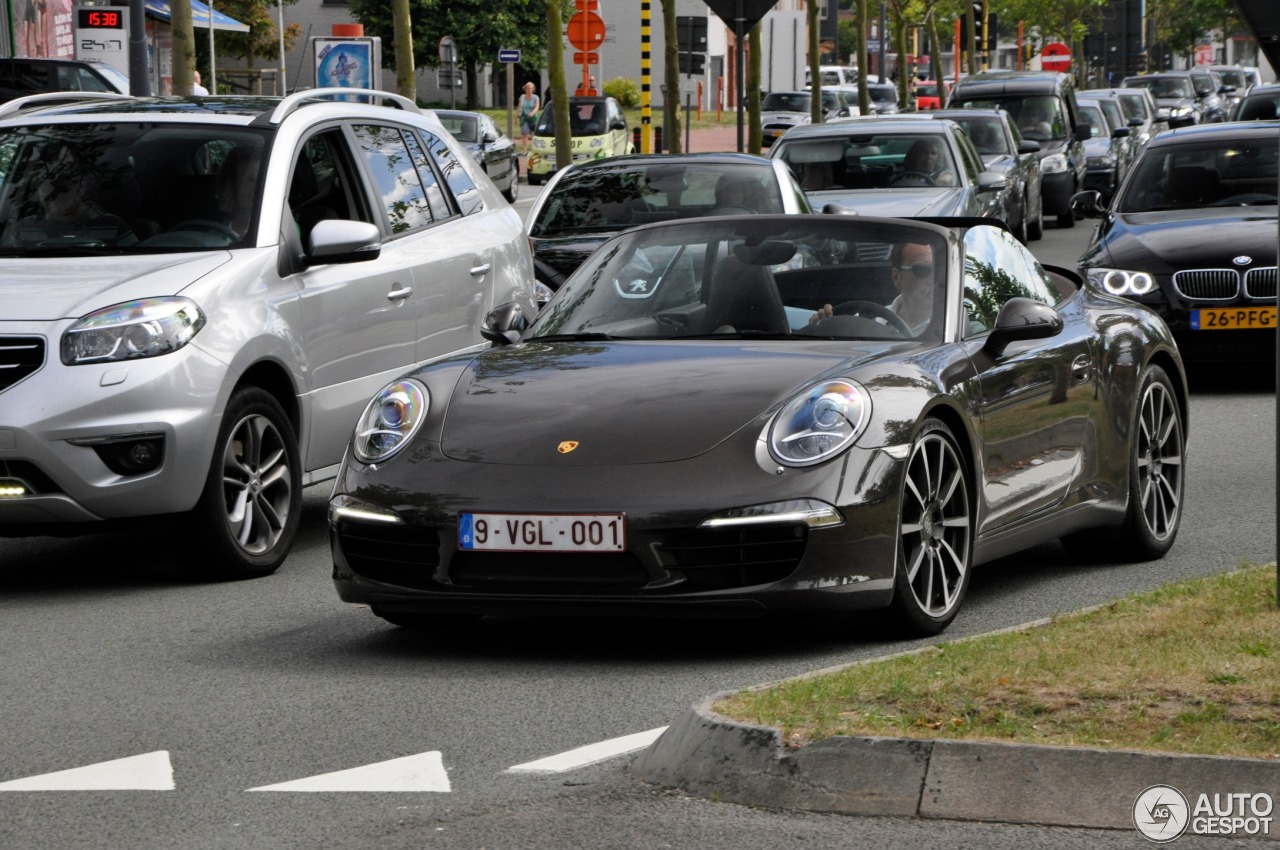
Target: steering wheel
{"x":913,"y":175}
{"x":207,"y":226}
{"x":874,"y":310}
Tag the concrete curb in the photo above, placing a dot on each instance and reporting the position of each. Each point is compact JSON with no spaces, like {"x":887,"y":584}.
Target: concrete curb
{"x":708,"y":755}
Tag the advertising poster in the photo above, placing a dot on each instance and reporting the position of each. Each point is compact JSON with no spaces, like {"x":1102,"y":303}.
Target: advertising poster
{"x":347,"y":62}
{"x":44,"y":29}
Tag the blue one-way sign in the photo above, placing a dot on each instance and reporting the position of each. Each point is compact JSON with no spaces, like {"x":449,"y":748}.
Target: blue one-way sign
{"x":508,"y":55}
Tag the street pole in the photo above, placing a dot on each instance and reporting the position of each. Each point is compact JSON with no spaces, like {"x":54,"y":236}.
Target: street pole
{"x":740,"y":52}
{"x":284,"y":86}
{"x":883,"y":12}
{"x":139,"y":72}
{"x":213,"y":73}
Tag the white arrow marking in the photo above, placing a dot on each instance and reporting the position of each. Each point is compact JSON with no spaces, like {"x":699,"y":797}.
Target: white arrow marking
{"x":590,"y":754}
{"x":147,"y":772}
{"x":422,"y":772}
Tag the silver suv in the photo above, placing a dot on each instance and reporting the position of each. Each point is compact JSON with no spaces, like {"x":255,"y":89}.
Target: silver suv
{"x":201,"y":295}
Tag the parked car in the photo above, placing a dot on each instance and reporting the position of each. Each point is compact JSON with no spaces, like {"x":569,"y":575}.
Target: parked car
{"x":200,"y":295}
{"x":1107,"y":151}
{"x":598,"y":128}
{"x":493,"y":149}
{"x":27,"y":75}
{"x":1043,"y":108}
{"x":834,"y":75}
{"x":737,"y":416}
{"x":1005,"y":152}
{"x":876,"y":167}
{"x":1137,"y":105}
{"x":1192,"y":234}
{"x":1262,"y":103}
{"x":1175,"y":94}
{"x":584,"y":206}
{"x":782,"y":110}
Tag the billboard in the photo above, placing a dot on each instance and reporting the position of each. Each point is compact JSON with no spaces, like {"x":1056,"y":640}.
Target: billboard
{"x":353,"y":62}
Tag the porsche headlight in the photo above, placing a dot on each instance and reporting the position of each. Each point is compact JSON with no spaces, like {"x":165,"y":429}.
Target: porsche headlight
{"x":1122,"y":281}
{"x":819,"y":423}
{"x":145,"y":328}
{"x":392,"y":418}
{"x":1053,"y":164}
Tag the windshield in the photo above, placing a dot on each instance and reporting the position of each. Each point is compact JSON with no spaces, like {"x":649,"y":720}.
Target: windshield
{"x":1221,"y":173}
{"x":985,"y":133}
{"x":1166,"y":88}
{"x":867,"y":160}
{"x":785,"y":102}
{"x":463,"y":128}
{"x":118,"y":80}
{"x":765,"y":277}
{"x":586,"y":118}
{"x":605,"y":199}
{"x":1092,"y":116}
{"x":1134,"y":105}
{"x":128,"y":188}
{"x":1037,"y":117}
{"x":884,"y":94}
{"x":1232,"y":77}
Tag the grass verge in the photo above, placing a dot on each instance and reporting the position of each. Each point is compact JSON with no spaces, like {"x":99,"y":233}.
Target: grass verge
{"x":1192,"y":667}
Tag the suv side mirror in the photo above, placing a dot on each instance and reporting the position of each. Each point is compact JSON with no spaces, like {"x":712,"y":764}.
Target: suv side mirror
{"x":1028,"y":146}
{"x":1120,"y":133}
{"x":340,"y":241}
{"x":1083,"y":134}
{"x":1088,"y":204}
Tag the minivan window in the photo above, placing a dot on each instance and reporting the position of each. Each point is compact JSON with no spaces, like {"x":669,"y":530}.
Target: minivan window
{"x":1037,"y":117}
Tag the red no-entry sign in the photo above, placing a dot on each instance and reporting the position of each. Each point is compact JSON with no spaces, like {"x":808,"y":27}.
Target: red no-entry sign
{"x":1055,"y":56}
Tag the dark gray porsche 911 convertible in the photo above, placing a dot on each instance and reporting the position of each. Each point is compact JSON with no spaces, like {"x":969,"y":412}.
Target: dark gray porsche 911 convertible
{"x":763,"y":414}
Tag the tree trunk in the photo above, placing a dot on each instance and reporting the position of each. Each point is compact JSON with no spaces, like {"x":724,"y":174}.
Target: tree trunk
{"x":559,"y":91}
{"x":184,"y":48}
{"x":671,"y":76}
{"x":754,"y":131}
{"x":864,"y":94}
{"x":815,"y":63}
{"x":402,"y":29}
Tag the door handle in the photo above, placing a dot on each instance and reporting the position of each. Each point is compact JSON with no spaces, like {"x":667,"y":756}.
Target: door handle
{"x":482,"y":269}
{"x":1080,"y":367}
{"x":399,"y":293}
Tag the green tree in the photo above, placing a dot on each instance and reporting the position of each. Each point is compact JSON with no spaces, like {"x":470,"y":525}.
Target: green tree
{"x":479,"y":28}
{"x":262,"y":41}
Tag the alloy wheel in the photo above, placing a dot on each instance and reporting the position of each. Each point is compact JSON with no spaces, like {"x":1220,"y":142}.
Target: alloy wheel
{"x":936,"y":526}
{"x":256,"y":483}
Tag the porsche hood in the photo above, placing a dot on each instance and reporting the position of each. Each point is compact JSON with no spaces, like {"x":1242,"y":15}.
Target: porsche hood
{"x":620,"y":403}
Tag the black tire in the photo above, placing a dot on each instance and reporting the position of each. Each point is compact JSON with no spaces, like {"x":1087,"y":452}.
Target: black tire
{"x":534,"y":179}
{"x":249,"y":512}
{"x":1157,"y":471}
{"x":1066,"y":219}
{"x":1020,"y":232}
{"x":513,"y":188}
{"x":1157,"y":453}
{"x":935,"y":534}
{"x":1035,"y":223}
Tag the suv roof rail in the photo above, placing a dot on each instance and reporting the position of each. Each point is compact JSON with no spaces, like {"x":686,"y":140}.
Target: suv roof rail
{"x":54,"y":98}
{"x":291,"y":103}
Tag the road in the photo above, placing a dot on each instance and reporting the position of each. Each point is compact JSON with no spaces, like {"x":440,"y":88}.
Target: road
{"x":212,"y":693}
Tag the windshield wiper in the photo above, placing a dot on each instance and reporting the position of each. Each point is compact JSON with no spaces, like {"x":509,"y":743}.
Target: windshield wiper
{"x":579,"y":337}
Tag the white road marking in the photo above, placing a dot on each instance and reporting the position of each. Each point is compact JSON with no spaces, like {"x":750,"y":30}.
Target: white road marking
{"x":421,"y":772}
{"x":590,"y":754}
{"x":147,"y":772}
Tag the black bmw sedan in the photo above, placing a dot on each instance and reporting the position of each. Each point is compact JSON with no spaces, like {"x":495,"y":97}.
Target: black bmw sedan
{"x":1192,"y":234}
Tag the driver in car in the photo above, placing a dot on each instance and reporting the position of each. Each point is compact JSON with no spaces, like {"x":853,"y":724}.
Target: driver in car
{"x":68,"y":215}
{"x":911,"y":270}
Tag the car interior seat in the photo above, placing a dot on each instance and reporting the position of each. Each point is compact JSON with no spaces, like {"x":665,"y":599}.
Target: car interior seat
{"x":744,"y":298}
{"x":1191,"y":186}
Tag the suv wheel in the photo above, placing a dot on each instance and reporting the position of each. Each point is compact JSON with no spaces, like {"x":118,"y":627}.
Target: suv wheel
{"x":251,"y":507}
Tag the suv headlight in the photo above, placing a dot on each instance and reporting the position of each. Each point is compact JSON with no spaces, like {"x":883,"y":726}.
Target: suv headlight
{"x":146,"y":328}
{"x":1105,"y":161}
{"x":1053,"y":164}
{"x":1122,"y":281}
{"x":819,"y":423}
{"x":390,"y":420}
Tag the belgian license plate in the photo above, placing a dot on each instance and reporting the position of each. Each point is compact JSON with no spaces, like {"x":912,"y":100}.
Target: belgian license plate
{"x":1232,"y":318}
{"x":542,"y":532}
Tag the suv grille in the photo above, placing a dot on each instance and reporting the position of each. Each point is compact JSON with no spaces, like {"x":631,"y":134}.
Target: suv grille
{"x":19,"y":357}
{"x":1218,"y":284}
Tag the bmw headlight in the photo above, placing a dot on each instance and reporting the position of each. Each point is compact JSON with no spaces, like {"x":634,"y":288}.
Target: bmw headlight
{"x":1053,"y":164}
{"x":1122,"y":281}
{"x":1179,"y":111}
{"x":1104,"y":161}
{"x":819,"y":423}
{"x":146,"y":328}
{"x":392,"y":418}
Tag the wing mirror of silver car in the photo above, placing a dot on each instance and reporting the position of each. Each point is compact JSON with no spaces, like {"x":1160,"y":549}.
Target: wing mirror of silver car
{"x":341,"y":241}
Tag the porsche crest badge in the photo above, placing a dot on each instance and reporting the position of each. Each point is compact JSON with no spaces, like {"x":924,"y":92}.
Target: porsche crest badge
{"x":567,"y":446}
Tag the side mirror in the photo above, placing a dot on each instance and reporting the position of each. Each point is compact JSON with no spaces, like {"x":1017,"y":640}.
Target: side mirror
{"x":1136,"y":121}
{"x":1088,"y":204}
{"x":488,"y":139}
{"x":1019,"y":319}
{"x":990,"y":181}
{"x":1028,"y":146}
{"x":1083,"y":133}
{"x":340,"y":241}
{"x":1120,"y":133}
{"x":618,"y":125}
{"x":504,"y":324}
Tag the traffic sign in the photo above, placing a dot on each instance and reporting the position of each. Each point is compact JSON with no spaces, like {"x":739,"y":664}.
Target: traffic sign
{"x":580,"y":58}
{"x":508,"y":55}
{"x":448,"y":51}
{"x":585,"y":30}
{"x":1055,"y":56}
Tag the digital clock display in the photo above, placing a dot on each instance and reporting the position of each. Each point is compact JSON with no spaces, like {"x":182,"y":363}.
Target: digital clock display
{"x":101,"y":19}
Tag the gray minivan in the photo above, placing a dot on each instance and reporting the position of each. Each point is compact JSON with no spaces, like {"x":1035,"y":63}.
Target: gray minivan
{"x":1043,"y":106}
